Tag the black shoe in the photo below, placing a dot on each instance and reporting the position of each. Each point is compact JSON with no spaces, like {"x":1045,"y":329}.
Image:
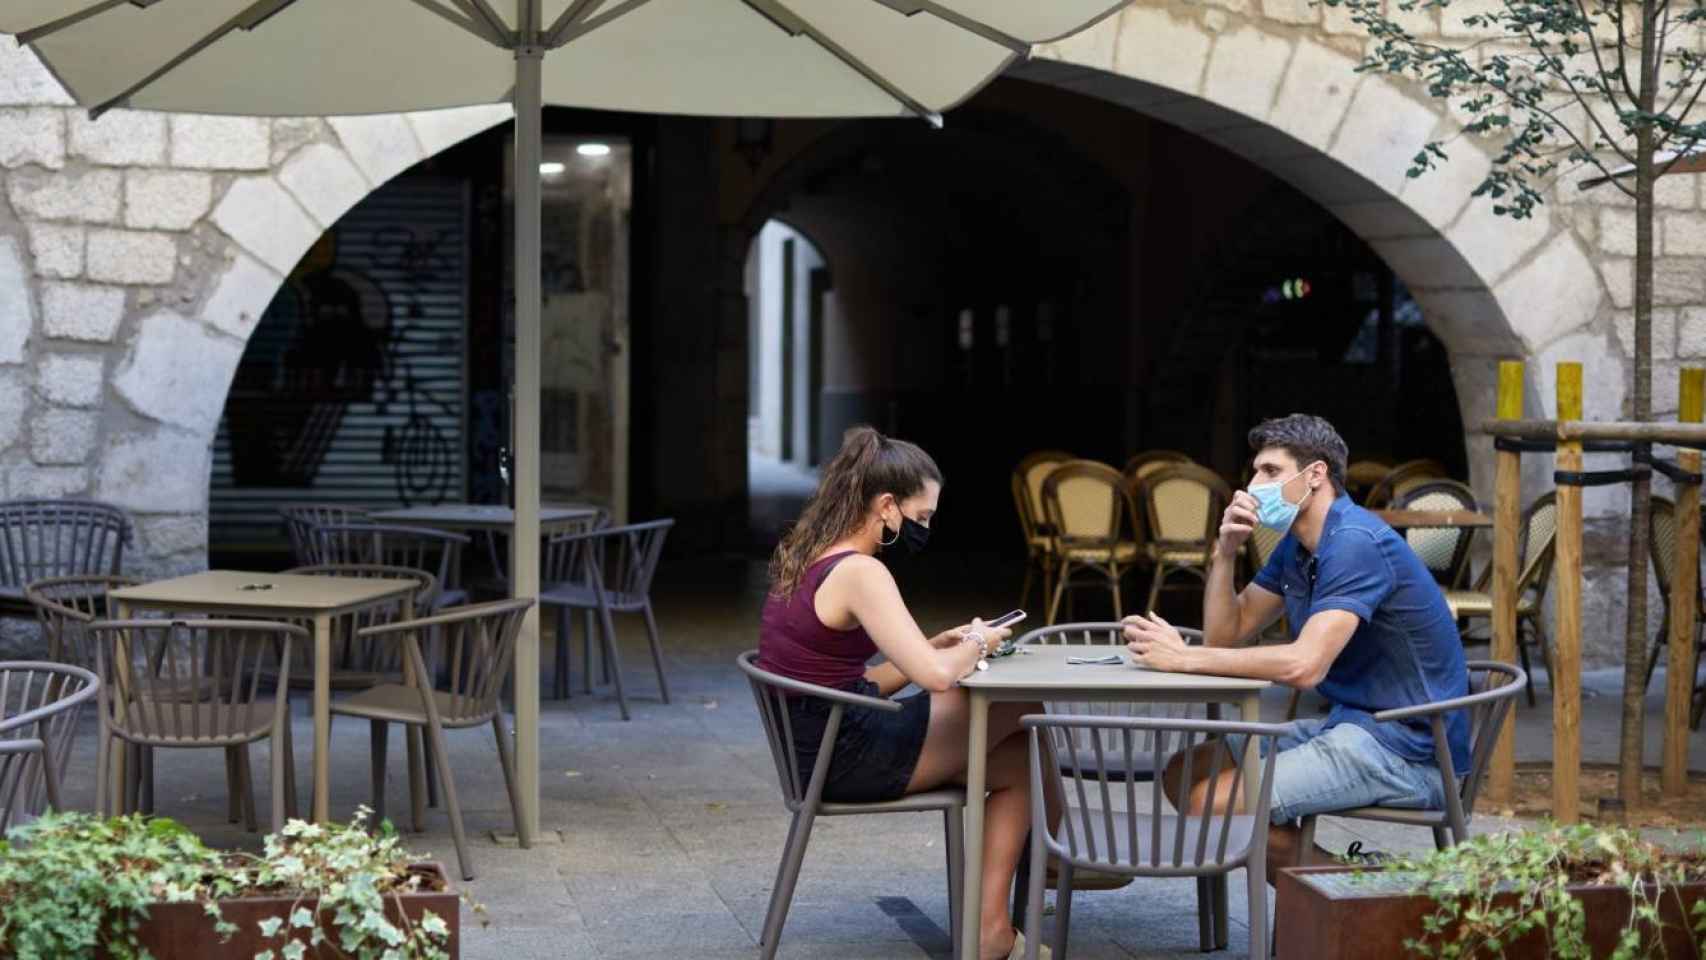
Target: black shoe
{"x":1357,"y":856}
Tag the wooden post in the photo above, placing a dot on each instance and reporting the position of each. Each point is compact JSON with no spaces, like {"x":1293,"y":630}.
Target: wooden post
{"x":1507,"y":519}
{"x":1684,"y":584}
{"x":1567,"y":644}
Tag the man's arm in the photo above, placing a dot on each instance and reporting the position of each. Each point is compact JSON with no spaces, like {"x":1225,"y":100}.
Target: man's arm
{"x":1302,"y":663}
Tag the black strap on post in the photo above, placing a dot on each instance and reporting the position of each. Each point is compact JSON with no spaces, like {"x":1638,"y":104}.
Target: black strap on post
{"x":1515,"y":445}
{"x":1595,"y":478}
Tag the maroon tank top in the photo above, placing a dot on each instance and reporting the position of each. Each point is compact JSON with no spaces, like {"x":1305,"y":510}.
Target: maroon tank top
{"x":793,"y":642}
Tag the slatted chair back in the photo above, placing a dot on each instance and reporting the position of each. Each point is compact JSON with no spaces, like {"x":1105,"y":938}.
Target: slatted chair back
{"x":1493,"y":687}
{"x":624,"y":559}
{"x":65,"y":606}
{"x":191,"y":683}
{"x":438,"y":552}
{"x":1445,"y":550}
{"x":1108,"y":825}
{"x":1087,"y":506}
{"x":39,"y":707}
{"x":479,"y":647}
{"x":300,"y":519}
{"x":40,"y":539}
{"x":1184,"y":503}
{"x":1386,"y":490}
{"x":349,"y":653}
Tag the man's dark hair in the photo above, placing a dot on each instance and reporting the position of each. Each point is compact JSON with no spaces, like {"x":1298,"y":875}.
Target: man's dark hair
{"x":1307,"y":438}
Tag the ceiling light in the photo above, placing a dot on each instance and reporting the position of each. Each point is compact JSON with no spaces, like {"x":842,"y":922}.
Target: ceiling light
{"x":593,"y":149}
{"x":551,"y":168}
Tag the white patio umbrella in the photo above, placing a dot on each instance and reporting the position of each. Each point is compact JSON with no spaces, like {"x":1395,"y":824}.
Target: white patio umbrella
{"x":774,"y":58}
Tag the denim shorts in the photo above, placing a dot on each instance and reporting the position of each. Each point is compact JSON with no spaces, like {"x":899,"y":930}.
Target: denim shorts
{"x":875,"y":750}
{"x":1321,"y":769}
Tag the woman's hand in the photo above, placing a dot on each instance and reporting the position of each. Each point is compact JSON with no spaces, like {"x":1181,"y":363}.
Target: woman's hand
{"x":992,"y":636}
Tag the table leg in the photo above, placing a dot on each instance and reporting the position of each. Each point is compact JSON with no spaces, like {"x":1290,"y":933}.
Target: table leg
{"x":1250,"y":711}
{"x":977,"y":751}
{"x":121,"y":665}
{"x":322,"y":718}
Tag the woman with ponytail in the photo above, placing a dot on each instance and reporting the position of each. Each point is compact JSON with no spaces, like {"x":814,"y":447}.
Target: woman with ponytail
{"x":833,"y":606}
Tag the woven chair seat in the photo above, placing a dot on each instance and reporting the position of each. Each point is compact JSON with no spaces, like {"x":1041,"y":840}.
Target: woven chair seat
{"x":1126,"y":552}
{"x":1176,"y":557}
{"x":1474,"y":603}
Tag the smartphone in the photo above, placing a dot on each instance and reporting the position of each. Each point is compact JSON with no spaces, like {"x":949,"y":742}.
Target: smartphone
{"x":1007,"y":619}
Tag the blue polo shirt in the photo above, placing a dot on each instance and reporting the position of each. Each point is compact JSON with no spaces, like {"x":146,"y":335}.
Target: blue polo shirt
{"x":1406,"y":649}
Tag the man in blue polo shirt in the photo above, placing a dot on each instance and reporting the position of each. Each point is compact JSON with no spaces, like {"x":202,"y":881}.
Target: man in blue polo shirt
{"x":1370,"y":631}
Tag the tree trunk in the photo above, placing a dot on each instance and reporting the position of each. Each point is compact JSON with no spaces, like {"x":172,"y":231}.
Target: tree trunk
{"x":1631,"y":750}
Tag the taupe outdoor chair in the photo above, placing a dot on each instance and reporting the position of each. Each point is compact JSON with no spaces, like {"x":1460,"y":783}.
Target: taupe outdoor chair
{"x":1662,"y":541}
{"x":1094,"y":835}
{"x":438,"y":552}
{"x":1089,"y":509}
{"x":1445,"y":550}
{"x":65,"y":606}
{"x":39,"y":707}
{"x":300,"y":519}
{"x":1027,"y":485}
{"x":803,"y":795}
{"x":40,"y":539}
{"x":357,"y":664}
{"x":1535,"y":549}
{"x":1387,"y":488}
{"x":604,"y":571}
{"x":196,"y":684}
{"x":1494,"y":686}
{"x":1184,"y":503}
{"x":478,"y":647}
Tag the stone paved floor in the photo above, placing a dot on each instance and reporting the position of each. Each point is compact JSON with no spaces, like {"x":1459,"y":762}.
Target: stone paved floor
{"x":664,"y":832}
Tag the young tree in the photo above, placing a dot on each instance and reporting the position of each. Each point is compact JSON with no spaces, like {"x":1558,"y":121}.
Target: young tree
{"x":1583,"y":85}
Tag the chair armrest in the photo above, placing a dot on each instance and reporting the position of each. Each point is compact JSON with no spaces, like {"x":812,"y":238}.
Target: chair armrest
{"x":453,"y":615}
{"x":1507,"y":689}
{"x":814,"y":690}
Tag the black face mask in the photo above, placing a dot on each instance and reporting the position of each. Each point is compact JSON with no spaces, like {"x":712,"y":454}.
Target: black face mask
{"x":911,"y":539}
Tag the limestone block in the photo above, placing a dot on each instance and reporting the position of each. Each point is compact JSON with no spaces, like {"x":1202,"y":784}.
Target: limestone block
{"x":1429,"y":261}
{"x":1493,"y":244}
{"x":1679,"y":281}
{"x":219,"y":143}
{"x":58,"y":250}
{"x":1619,"y":277}
{"x":1380,"y":220}
{"x":258,"y":214}
{"x":1315,"y":93}
{"x":1674,"y":192}
{"x":1092,"y":48}
{"x":62,"y":437}
{"x":17,"y":309}
{"x":160,"y":384}
{"x":32,"y":135}
{"x":47,"y":483}
{"x":1691,"y":333}
{"x":1604,"y":379}
{"x":1215,"y":21}
{"x":1617,"y":230}
{"x":1553,"y":293}
{"x":166,"y":199}
{"x":25,"y":82}
{"x":120,"y":138}
{"x":324,"y":181}
{"x":290,"y":134}
{"x":90,"y":197}
{"x":71,"y":379}
{"x":80,"y":311}
{"x":1663,"y":332}
{"x":438,"y":130}
{"x":1160,"y":49}
{"x":1292,"y":11}
{"x":173,"y":533}
{"x":1382,"y":131}
{"x":1421,"y":19}
{"x":382,"y":146}
{"x":1338,"y":20}
{"x":243,"y":292}
{"x":164,"y":471}
{"x":132,"y":256}
{"x":1452,"y":25}
{"x":1684,"y":234}
{"x":14,"y":404}
{"x":1244,"y":71}
{"x":1470,"y":322}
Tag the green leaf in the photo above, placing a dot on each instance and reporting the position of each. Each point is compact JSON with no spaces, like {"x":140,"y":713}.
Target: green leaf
{"x":270,"y":926}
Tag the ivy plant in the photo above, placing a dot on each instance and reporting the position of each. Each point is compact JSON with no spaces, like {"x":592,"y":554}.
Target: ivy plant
{"x":73,"y":884}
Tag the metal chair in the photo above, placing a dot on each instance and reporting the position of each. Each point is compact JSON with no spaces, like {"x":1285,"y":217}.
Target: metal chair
{"x":438,"y":552}
{"x":1445,"y":550}
{"x":1535,"y":551}
{"x":1136,"y":843}
{"x":1184,"y":503}
{"x":803,"y":795}
{"x":604,"y":571}
{"x":1499,"y":685}
{"x":195,"y":684}
{"x":56,"y":538}
{"x":39,"y":706}
{"x":479,"y":648}
{"x":1089,"y":509}
{"x":1027,"y":485}
{"x":300,"y":519}
{"x":1386,"y":489}
{"x":1661,"y":521}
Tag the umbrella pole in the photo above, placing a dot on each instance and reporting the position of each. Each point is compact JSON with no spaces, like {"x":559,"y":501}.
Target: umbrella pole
{"x":524,"y":545}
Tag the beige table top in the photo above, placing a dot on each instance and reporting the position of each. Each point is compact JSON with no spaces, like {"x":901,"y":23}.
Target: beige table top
{"x":1045,"y":668}
{"x":240,"y":590}
{"x":479,"y":516}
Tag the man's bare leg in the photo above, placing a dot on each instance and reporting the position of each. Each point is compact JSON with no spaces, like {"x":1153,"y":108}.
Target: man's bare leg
{"x":1285,"y":843}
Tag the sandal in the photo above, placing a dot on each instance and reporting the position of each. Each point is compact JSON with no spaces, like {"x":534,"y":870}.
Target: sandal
{"x":1018,"y":951}
{"x":1355,"y":854}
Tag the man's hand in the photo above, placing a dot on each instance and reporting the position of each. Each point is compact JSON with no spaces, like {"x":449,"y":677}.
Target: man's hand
{"x":1236,"y":523}
{"x":1155,"y":644}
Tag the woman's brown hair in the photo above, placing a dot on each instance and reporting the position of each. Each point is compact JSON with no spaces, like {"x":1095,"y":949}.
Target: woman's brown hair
{"x":868,"y":466}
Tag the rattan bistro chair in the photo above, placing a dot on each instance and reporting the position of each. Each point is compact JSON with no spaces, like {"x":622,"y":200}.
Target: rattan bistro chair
{"x":1445,"y":550}
{"x":40,"y":539}
{"x":1386,"y":490}
{"x":1662,"y":540}
{"x":479,"y":646}
{"x":1089,"y":508}
{"x":1147,"y":462}
{"x":604,"y":571}
{"x":1499,"y":683}
{"x":39,"y":707}
{"x":1535,"y":551}
{"x":1027,"y":486}
{"x":1184,"y":503}
{"x":195,"y":683}
{"x":1105,"y":831}
{"x":803,"y":795}
{"x":1361,"y":476}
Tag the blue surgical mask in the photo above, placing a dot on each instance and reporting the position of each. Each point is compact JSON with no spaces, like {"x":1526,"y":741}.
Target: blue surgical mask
{"x":1272,"y":508}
